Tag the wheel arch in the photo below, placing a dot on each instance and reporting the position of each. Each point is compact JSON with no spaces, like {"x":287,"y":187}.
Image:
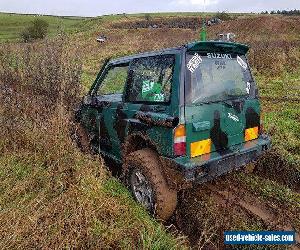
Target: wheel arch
{"x":136,"y":142}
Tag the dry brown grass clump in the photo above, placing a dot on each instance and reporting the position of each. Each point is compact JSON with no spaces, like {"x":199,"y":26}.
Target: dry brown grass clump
{"x":170,"y":22}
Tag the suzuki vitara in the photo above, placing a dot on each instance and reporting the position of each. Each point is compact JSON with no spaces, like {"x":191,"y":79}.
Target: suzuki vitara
{"x":173,"y":118}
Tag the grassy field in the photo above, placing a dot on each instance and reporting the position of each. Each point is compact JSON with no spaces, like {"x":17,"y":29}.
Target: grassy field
{"x":11,"y":25}
{"x":49,"y":188}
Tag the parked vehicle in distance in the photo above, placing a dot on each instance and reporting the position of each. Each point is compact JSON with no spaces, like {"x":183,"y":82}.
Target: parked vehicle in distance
{"x":174,"y":118}
{"x":101,"y":39}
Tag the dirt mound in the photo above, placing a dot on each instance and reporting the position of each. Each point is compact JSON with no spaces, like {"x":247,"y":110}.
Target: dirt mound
{"x":178,"y":22}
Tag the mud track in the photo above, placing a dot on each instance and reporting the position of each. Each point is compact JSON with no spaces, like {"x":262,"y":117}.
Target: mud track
{"x":230,"y":205}
{"x":206,"y":211}
{"x":251,"y":206}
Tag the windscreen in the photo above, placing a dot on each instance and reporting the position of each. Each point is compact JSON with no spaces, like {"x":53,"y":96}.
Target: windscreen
{"x":213,"y":77}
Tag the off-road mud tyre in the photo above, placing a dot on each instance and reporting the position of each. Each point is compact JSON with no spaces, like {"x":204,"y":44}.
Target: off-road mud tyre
{"x":81,"y":138}
{"x":164,"y":198}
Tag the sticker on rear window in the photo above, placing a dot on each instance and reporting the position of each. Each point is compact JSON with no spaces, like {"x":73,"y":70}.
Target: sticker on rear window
{"x":194,"y":63}
{"x":147,"y":86}
{"x":241,"y":62}
{"x":218,"y":56}
{"x":248,"y":88}
{"x":159,"y":97}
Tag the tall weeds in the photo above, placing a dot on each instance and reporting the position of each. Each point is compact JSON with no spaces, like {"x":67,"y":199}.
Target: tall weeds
{"x":37,"y":82}
{"x":51,"y":195}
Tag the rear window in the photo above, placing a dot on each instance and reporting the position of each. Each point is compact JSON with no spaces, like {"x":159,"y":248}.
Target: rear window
{"x":213,"y":77}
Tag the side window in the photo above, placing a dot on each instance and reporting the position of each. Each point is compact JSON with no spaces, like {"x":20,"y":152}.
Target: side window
{"x":114,"y":80}
{"x":151,"y":79}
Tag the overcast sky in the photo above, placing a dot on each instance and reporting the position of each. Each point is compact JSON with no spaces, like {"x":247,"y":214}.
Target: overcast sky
{"x":101,"y":7}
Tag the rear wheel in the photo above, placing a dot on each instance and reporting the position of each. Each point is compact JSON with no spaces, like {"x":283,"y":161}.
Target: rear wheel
{"x":148,"y":185}
{"x":141,"y":188}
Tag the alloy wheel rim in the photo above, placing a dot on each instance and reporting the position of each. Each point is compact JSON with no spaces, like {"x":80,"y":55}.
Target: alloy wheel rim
{"x":141,"y":189}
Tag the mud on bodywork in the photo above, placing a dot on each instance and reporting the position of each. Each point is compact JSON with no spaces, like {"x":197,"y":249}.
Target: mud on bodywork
{"x":129,"y":121}
{"x":219,"y":138}
{"x":154,"y":119}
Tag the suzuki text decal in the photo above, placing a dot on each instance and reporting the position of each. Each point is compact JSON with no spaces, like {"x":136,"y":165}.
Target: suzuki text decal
{"x":218,"y":56}
{"x":233,"y":117}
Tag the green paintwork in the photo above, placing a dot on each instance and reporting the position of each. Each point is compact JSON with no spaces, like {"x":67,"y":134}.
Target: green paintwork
{"x":118,"y":119}
{"x":205,"y":114}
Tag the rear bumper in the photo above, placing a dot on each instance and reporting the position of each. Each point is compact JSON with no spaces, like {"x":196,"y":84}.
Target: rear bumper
{"x":207,"y":167}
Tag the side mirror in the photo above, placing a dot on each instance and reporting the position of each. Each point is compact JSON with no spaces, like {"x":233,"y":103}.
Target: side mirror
{"x":87,"y":100}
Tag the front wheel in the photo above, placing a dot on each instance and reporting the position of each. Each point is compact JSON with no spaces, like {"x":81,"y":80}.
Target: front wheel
{"x":148,"y":185}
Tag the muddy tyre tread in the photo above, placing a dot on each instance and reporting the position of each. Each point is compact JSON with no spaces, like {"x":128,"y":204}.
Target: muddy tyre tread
{"x":165,"y":198}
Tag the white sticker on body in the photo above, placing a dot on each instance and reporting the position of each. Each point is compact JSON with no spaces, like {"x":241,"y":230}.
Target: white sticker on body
{"x":241,"y":62}
{"x":194,"y":63}
{"x":233,"y":117}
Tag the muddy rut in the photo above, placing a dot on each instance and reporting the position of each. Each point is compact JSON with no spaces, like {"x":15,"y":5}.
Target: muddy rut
{"x":205,"y":212}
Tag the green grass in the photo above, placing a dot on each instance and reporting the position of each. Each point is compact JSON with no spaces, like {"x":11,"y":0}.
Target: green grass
{"x":150,"y":239}
{"x":11,"y":25}
{"x":281,"y":112}
{"x":268,"y":189}
{"x":112,"y":217}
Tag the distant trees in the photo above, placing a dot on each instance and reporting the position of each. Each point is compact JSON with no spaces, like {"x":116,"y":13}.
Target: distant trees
{"x":223,"y":16}
{"x":37,"y":30}
{"x":283,"y":12}
{"x":148,"y":17}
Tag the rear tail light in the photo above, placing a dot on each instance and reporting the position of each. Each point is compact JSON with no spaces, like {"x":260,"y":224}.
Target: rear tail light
{"x":179,"y":141}
{"x":251,"y":133}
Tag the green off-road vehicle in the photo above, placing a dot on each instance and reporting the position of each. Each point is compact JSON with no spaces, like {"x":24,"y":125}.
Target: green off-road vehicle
{"x":174,"y":118}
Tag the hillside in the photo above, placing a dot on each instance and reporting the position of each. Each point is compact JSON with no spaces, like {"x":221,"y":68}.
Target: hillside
{"x":54,"y":196}
{"x":11,"y":25}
